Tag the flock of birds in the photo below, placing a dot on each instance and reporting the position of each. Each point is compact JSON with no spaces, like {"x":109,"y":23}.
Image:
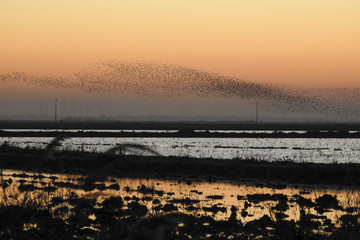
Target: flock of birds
{"x":149,"y":79}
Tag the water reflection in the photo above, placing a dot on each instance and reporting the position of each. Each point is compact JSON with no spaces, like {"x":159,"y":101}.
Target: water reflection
{"x":221,"y":201}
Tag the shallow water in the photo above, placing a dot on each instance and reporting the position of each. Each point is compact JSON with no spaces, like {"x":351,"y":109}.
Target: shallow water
{"x":92,"y":130}
{"x":320,"y":150}
{"x":192,"y":198}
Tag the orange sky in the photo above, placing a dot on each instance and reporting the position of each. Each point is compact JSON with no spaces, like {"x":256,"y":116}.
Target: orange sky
{"x":311,"y":43}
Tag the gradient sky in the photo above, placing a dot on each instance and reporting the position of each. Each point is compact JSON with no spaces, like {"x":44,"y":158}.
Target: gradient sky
{"x":309,"y":43}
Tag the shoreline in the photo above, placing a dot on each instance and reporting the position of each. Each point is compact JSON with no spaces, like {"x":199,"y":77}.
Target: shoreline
{"x":180,"y":125}
{"x":180,"y":134}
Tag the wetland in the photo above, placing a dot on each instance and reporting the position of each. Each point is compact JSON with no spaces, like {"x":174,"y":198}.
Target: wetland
{"x":140,"y":188}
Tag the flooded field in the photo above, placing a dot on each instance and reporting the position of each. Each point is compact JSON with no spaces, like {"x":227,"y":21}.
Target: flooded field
{"x":319,"y":150}
{"x":91,"y":207}
{"x":91,"y":192}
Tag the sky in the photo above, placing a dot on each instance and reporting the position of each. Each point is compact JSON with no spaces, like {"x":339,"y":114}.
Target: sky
{"x":301,"y":43}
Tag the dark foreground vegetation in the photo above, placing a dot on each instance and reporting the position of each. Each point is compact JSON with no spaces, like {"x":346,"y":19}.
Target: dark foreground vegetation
{"x":39,"y":207}
{"x":118,"y":218}
{"x":148,"y":216}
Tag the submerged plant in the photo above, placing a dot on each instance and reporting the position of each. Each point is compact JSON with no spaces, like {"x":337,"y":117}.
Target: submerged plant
{"x":131,"y":148}
{"x":54,"y":146}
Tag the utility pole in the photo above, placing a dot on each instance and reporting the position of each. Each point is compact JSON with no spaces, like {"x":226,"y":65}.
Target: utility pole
{"x":257,"y":111}
{"x":41,"y":107}
{"x":73,"y":107}
{"x":64,"y":107}
{"x":55,"y":109}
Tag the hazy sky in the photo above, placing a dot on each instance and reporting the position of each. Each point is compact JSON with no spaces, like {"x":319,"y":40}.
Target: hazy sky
{"x":312,"y":43}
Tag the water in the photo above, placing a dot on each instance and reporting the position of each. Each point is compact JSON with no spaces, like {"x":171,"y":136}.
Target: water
{"x":320,"y":150}
{"x":151,"y":131}
{"x":200,"y":196}
{"x":92,"y":130}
